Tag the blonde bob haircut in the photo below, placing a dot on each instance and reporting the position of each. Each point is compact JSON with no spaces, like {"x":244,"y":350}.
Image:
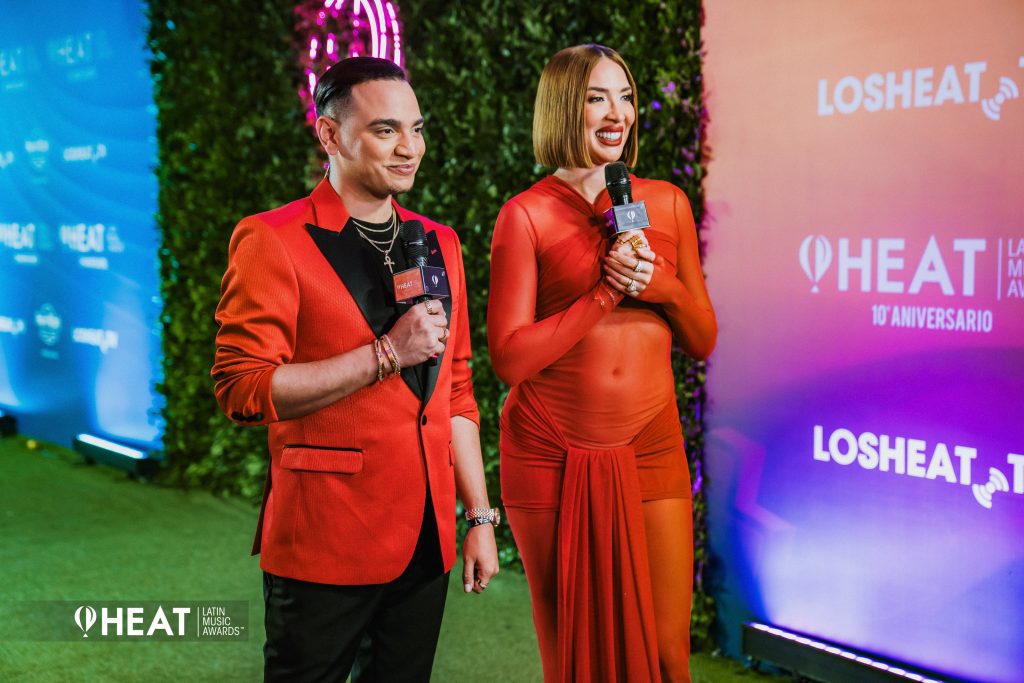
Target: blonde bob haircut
{"x":559,"y":139}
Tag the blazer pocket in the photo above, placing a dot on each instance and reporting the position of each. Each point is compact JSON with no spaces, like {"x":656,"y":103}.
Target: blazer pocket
{"x":313,"y":459}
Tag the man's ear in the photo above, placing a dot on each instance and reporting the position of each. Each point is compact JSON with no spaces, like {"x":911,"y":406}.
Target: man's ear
{"x":327,"y":132}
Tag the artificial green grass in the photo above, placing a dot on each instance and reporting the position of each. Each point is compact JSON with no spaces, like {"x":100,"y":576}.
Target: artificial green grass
{"x":75,"y":532}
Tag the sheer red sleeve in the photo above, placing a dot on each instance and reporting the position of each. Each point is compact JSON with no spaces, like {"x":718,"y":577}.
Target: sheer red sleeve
{"x":689,"y":311}
{"x":521,"y":346}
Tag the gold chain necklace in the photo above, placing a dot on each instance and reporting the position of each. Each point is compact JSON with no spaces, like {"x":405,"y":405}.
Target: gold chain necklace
{"x":376,"y":244}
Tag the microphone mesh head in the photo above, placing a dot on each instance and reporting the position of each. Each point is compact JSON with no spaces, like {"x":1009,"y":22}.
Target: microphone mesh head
{"x":616,"y":179}
{"x":414,"y":242}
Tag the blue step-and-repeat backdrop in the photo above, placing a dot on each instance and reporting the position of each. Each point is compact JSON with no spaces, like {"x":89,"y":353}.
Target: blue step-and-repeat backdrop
{"x":79,"y":280}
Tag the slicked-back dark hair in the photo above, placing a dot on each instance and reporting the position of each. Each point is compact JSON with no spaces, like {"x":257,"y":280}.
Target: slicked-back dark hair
{"x":334,"y":89}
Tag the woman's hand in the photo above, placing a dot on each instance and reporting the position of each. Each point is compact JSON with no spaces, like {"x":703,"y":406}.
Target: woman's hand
{"x":632,"y":265}
{"x":629,"y":265}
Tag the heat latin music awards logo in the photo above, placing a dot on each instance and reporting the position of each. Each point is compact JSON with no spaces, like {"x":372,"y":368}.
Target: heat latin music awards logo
{"x":158,"y":621}
{"x":912,"y":457}
{"x":952,"y":84}
{"x":889,"y":267}
{"x":93,"y":242}
{"x":25,"y":240}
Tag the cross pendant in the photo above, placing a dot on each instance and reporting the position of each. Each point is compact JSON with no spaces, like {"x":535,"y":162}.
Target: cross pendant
{"x":389,"y":263}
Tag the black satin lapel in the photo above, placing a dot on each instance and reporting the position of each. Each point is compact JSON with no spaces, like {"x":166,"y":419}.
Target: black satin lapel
{"x":436,"y":259}
{"x":358,"y":276}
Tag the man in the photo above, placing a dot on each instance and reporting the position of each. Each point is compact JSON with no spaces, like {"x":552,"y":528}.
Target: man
{"x":368,"y":440}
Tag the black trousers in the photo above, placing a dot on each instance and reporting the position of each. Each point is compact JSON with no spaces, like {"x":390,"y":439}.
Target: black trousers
{"x":378,"y":633}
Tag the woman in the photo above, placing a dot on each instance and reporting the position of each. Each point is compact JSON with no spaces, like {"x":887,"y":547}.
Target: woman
{"x":593,"y":472}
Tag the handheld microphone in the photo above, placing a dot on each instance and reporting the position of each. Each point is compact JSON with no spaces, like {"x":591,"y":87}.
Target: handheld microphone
{"x":625,"y":214}
{"x":421,"y":282}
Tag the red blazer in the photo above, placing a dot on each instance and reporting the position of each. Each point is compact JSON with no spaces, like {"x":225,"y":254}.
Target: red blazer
{"x":346,"y":485}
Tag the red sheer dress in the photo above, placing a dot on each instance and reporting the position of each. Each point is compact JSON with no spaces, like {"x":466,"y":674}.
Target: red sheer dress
{"x":590,"y":428}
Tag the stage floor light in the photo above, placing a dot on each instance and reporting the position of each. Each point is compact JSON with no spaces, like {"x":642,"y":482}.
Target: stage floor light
{"x":135,"y":462}
{"x":822,"y":661}
{"x":8,"y":424}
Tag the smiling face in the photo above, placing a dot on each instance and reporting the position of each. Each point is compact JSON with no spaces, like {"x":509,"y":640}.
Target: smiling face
{"x":609,"y":113}
{"x":378,"y":144}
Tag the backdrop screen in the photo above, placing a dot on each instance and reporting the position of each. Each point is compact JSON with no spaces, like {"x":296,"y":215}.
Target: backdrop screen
{"x":78,"y":245}
{"x":866,"y":259}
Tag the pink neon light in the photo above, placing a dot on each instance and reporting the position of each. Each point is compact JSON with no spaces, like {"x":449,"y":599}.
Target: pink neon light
{"x":374,"y":40}
{"x":376,"y":20}
{"x":383,"y":28}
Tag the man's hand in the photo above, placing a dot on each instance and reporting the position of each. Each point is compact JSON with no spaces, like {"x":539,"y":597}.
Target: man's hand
{"x":420,"y":333}
{"x":479,"y":558}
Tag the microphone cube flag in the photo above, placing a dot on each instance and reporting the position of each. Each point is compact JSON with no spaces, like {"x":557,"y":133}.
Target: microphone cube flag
{"x":626,"y":217}
{"x":422,"y":281}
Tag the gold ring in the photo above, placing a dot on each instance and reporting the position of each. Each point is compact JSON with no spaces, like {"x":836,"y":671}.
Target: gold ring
{"x":430,"y":311}
{"x":639,"y":267}
{"x":631,"y":287}
{"x":444,"y":337}
{"x":637,"y":241}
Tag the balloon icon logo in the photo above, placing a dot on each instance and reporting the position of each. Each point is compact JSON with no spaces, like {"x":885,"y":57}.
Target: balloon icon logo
{"x":85,"y":617}
{"x":815,"y":258}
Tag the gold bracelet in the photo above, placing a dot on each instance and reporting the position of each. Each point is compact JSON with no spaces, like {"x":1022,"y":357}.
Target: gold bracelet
{"x":380,"y":360}
{"x":389,"y":348}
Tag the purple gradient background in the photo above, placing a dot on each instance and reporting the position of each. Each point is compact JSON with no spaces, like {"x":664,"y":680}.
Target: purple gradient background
{"x":903,"y":567}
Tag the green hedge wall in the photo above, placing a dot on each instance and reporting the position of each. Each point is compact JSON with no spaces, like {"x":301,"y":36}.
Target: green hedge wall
{"x":232,"y":142}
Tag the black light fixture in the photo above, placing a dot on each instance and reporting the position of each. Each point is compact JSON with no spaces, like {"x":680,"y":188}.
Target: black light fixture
{"x":135,"y":462}
{"x":8,"y":425}
{"x":819,"y":660}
